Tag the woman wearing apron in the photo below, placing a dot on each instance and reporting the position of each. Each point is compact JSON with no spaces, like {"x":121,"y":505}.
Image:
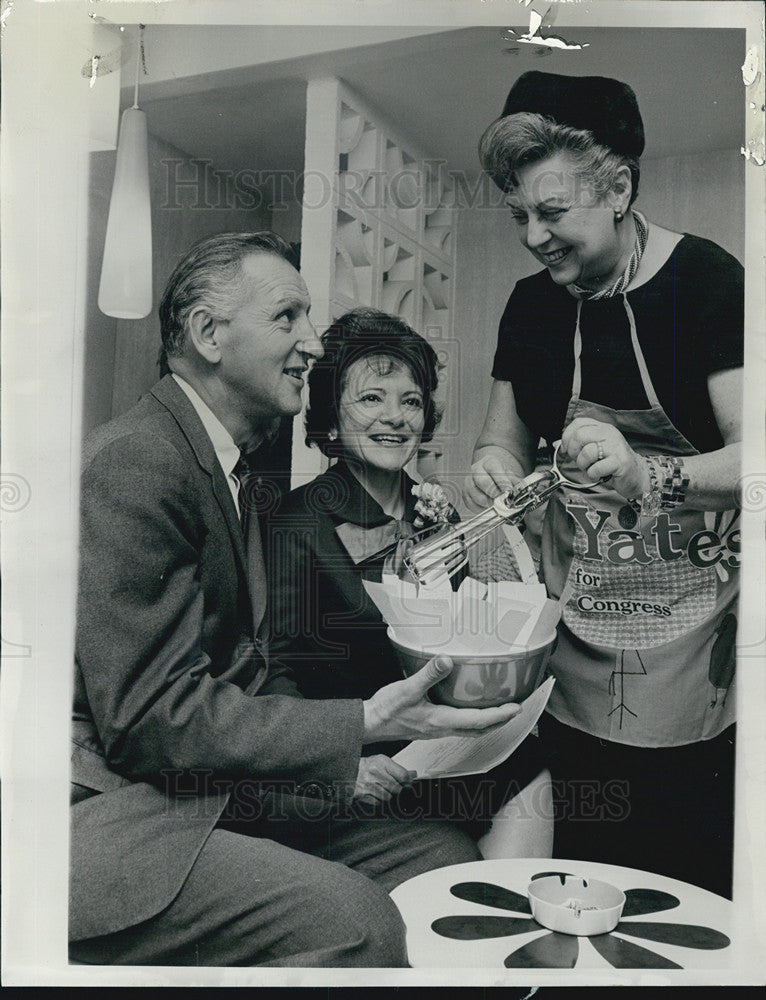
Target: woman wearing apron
{"x":628,"y":348}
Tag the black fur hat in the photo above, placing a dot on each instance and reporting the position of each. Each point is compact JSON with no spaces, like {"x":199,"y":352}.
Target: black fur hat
{"x":605,"y":107}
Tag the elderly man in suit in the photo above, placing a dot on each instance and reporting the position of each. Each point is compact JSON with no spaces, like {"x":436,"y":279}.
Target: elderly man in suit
{"x":215,"y":815}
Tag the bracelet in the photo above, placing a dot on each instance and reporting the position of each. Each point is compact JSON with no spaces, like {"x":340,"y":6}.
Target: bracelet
{"x":652,"y":499}
{"x":674,"y":483}
{"x":667,"y":486}
{"x":648,"y":505}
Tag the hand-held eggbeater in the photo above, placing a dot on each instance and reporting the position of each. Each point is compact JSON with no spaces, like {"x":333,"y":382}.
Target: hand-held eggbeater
{"x":437,"y":558}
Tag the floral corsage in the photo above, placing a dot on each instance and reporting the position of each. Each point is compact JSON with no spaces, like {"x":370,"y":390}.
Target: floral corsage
{"x":433,"y":507}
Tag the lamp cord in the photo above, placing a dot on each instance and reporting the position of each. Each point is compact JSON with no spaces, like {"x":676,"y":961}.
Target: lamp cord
{"x":139,"y":61}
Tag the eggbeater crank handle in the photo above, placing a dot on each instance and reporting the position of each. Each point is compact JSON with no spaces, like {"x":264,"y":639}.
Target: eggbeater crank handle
{"x":504,"y":507}
{"x":531,"y":492}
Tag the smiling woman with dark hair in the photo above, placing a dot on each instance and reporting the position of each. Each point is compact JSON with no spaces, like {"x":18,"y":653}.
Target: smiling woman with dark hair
{"x":386,"y":342}
{"x":371,"y":404}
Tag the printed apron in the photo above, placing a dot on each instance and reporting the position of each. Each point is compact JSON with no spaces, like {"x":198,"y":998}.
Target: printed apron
{"x":646,"y":643}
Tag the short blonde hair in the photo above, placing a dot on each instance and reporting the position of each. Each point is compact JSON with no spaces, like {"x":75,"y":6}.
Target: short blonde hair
{"x":517,"y":140}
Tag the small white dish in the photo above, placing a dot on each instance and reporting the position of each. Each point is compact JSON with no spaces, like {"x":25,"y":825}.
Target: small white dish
{"x":575,"y":904}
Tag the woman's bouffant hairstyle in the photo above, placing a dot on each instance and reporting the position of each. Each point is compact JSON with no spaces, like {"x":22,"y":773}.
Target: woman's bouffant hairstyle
{"x":386,"y":341}
{"x":517,"y":140}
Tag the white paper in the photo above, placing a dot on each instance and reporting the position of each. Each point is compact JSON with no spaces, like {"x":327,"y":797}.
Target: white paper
{"x":476,"y":620}
{"x":514,"y":590}
{"x":525,"y":632}
{"x":457,"y":755}
{"x":471,"y":587}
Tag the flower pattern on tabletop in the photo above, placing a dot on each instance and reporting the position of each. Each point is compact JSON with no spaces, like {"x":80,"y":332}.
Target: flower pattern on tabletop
{"x":553,"y":950}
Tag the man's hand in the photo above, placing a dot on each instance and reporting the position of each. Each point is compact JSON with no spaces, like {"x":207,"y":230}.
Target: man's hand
{"x":379,"y":778}
{"x":401,"y":711}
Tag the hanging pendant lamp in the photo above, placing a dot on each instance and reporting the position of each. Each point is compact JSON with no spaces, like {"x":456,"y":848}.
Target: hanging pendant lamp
{"x":125,"y":290}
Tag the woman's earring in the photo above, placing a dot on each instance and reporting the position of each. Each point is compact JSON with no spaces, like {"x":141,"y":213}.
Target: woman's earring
{"x":619,"y":215}
{"x":332,"y":434}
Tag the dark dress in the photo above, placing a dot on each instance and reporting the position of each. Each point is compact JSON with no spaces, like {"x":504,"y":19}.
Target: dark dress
{"x":328,"y":631}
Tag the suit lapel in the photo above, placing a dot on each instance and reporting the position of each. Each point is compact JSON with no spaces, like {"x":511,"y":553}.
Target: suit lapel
{"x":174,"y":399}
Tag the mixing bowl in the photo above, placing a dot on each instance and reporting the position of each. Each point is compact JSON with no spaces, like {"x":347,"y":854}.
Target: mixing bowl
{"x":482,"y":681}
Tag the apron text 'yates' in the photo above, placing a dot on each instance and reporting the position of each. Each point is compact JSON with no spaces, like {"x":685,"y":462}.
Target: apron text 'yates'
{"x":703,"y":549}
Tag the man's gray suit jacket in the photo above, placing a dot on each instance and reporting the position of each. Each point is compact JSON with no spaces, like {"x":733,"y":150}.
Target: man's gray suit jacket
{"x":171,"y":692}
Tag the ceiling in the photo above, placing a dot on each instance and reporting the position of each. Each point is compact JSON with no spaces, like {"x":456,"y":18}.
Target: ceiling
{"x":440,"y":88}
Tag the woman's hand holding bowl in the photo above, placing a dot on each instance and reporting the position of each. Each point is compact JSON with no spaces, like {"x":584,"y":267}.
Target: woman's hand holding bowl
{"x":601,"y":451}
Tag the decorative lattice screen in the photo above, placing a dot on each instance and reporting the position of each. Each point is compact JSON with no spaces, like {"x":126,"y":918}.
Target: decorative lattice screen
{"x":377,"y":223}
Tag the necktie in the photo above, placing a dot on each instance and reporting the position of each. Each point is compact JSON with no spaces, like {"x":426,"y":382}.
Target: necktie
{"x":249,"y":484}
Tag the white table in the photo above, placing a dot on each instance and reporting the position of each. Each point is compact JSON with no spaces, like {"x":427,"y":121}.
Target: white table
{"x":476,"y":915}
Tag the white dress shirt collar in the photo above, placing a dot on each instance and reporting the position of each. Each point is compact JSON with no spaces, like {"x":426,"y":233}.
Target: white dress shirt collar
{"x":226,"y":451}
